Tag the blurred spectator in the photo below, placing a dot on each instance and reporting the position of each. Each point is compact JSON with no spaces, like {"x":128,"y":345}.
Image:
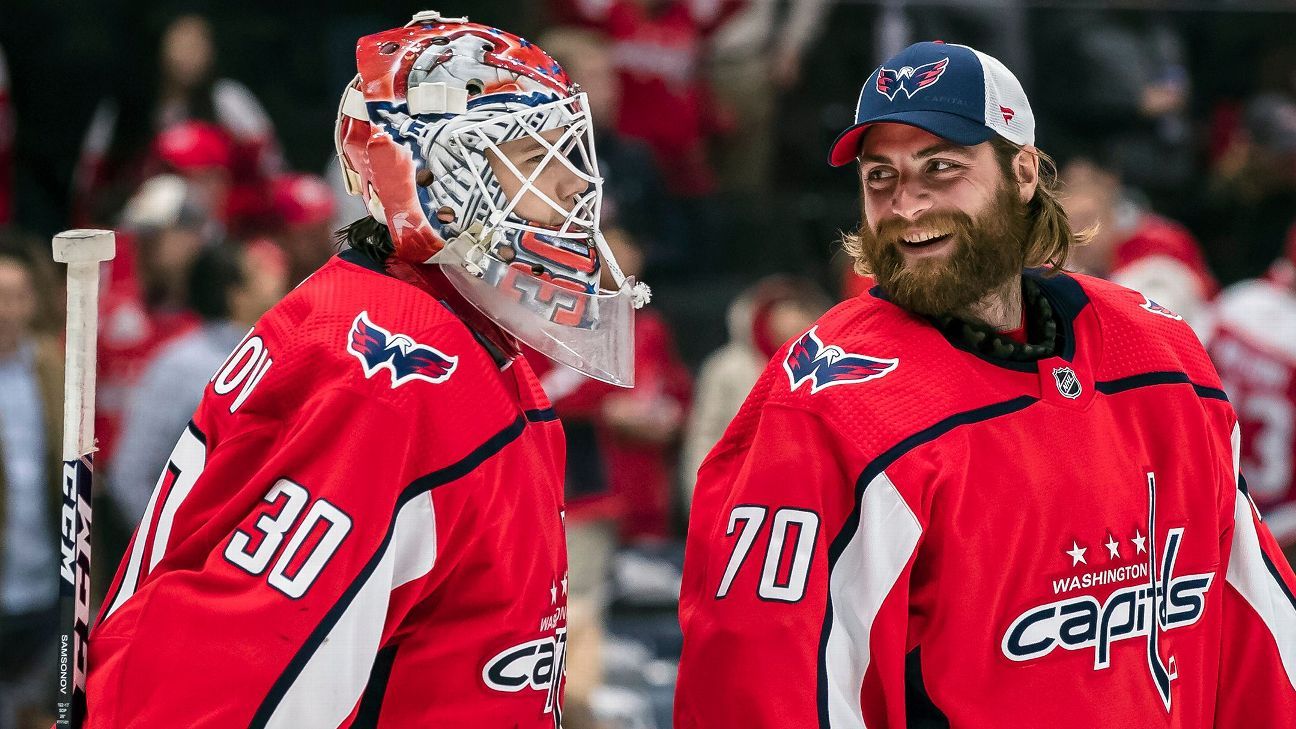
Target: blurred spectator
{"x":203,"y":155}
{"x":634,"y":197}
{"x":304,"y":207}
{"x":1123,"y":86}
{"x":1133,"y":246}
{"x":230,"y":287}
{"x":1250,"y":201}
{"x":145,"y":301}
{"x":754,"y":56}
{"x":6,"y":146}
{"x":657,"y":49}
{"x":1253,"y":345}
{"x":31,"y":418}
{"x":761,"y":319}
{"x":123,"y":127}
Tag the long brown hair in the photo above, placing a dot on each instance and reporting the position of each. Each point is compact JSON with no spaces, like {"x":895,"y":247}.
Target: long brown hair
{"x":1051,"y":237}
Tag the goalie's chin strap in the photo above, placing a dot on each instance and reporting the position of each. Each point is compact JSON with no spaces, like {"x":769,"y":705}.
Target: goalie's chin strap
{"x":640,"y":294}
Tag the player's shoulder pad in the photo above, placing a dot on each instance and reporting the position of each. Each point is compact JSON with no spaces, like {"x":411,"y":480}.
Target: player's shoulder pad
{"x":1137,"y":335}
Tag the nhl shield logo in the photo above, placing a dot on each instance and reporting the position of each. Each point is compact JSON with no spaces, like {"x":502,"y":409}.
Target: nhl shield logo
{"x":1068,"y":384}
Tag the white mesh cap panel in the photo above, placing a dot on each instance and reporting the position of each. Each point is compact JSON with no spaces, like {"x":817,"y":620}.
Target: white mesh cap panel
{"x":1007,"y":111}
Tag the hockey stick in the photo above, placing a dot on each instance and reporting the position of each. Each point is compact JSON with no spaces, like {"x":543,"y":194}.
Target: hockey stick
{"x":82,"y":251}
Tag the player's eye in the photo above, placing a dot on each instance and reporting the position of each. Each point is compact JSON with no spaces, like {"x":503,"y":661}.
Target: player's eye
{"x":941,"y":165}
{"x":879,"y":174}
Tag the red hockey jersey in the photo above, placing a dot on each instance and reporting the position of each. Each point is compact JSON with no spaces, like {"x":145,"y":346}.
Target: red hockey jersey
{"x":897,"y":532}
{"x":360,"y":528}
{"x":1253,"y":343}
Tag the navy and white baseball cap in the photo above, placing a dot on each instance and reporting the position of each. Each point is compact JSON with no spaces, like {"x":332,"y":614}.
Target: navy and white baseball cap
{"x":955,"y":92}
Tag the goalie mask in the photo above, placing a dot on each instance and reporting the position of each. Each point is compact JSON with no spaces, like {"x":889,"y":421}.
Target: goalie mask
{"x":453,"y":133}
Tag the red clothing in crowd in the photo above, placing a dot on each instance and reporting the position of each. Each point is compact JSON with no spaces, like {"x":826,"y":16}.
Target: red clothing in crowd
{"x":1158,"y":236}
{"x":664,"y":99}
{"x":638,"y":473}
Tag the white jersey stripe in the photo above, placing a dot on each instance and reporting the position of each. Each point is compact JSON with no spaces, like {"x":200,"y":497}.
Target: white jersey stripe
{"x":130,"y":581}
{"x":861,"y":579}
{"x":1250,"y":576}
{"x":188,"y":460}
{"x":331,"y":682}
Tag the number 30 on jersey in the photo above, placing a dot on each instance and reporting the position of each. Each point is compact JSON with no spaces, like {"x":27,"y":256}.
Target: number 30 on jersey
{"x":312,"y":540}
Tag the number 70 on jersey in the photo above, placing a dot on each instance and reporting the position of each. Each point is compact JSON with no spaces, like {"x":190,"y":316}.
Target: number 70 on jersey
{"x":789,"y":551}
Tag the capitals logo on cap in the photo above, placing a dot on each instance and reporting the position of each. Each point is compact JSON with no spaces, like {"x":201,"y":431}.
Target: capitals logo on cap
{"x":909,"y":79}
{"x":810,"y":360}
{"x":978,"y":99}
{"x":378,"y":349}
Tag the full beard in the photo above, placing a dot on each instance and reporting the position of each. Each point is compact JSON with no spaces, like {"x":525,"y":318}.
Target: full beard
{"x":987,"y":253}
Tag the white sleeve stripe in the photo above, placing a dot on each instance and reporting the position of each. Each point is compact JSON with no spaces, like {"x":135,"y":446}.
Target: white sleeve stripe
{"x":415,"y":540}
{"x":862,"y":577}
{"x":331,"y":682}
{"x":188,"y":458}
{"x":1235,"y":440}
{"x":142,"y":535}
{"x":1251,"y":575}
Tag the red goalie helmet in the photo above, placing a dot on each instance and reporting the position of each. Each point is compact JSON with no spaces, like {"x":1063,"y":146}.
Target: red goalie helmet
{"x":418,"y":136}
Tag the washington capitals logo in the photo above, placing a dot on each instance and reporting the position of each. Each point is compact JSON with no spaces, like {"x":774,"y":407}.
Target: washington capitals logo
{"x":827,"y":365}
{"x":378,"y":349}
{"x":909,"y":79}
{"x":1156,"y":308}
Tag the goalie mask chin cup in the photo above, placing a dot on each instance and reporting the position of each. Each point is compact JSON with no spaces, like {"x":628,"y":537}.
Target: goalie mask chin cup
{"x":416,"y":130}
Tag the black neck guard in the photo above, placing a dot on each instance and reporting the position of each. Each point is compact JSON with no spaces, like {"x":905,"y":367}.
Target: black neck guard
{"x":1041,"y":330}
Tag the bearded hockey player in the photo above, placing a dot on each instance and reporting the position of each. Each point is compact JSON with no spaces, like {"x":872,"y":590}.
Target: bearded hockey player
{"x":362,"y":525}
{"x":982,"y":494}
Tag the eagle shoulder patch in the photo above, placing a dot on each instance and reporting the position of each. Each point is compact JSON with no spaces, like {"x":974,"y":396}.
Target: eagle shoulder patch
{"x":378,"y":349}
{"x":825,"y":365}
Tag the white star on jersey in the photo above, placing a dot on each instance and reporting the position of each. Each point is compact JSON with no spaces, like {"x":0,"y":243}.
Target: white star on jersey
{"x":1139,"y":540}
{"x":1077,"y":554}
{"x":1113,"y":546}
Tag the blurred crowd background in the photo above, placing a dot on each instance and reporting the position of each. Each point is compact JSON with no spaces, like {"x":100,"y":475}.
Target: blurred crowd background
{"x":202,"y":134}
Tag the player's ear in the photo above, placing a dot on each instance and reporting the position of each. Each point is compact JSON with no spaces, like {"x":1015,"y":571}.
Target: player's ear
{"x":1025,"y":167}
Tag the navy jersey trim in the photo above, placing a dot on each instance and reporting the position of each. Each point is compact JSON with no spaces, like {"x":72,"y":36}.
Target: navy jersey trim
{"x":920,"y":711}
{"x":372,"y":698}
{"x":541,"y":416}
{"x":419,"y":486}
{"x":357,"y":258}
{"x":1068,"y":299}
{"x":1149,"y":379}
{"x":1277,"y":576}
{"x":871,"y":471}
